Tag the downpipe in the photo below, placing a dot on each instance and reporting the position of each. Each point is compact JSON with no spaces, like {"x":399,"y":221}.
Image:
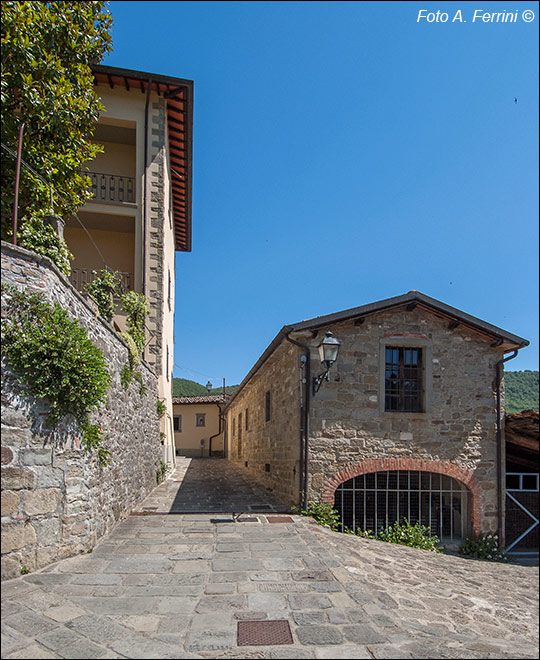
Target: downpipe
{"x":501,"y":476}
{"x":304,"y":421}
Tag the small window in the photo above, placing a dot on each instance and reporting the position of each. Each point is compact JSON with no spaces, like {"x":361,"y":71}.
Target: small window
{"x":268,"y":406}
{"x":177,"y":423}
{"x":403,"y":385}
{"x":233,"y":427}
{"x":240,"y":426}
{"x":246,"y":416}
{"x":201,"y":419}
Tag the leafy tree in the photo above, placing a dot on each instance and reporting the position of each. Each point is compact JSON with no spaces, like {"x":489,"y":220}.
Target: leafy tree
{"x":47,"y":84}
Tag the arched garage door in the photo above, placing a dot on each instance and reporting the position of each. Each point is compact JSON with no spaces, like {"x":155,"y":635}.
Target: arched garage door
{"x":376,"y":500}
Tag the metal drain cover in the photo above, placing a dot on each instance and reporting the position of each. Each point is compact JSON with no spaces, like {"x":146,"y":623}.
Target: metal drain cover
{"x":263,"y":633}
{"x":279,"y":519}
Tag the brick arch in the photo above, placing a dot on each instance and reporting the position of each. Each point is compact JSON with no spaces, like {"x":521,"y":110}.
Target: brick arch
{"x":447,"y":468}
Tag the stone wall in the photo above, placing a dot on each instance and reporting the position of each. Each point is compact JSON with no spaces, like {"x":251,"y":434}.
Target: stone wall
{"x":56,"y":499}
{"x":270,"y":450}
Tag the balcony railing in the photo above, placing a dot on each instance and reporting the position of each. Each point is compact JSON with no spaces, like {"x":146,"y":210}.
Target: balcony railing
{"x":111,"y":187}
{"x":81,"y":276}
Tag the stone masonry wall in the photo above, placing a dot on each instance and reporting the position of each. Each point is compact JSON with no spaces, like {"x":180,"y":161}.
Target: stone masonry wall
{"x":154,"y":284}
{"x":275,"y":443}
{"x":56,"y":499}
{"x":350,"y":431}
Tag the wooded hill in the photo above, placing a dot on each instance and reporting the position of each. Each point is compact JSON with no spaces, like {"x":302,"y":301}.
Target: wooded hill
{"x":521,"y":389}
{"x":185,"y":387}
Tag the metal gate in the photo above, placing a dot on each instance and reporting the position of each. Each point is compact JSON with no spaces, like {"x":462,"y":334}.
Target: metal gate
{"x":522,"y":506}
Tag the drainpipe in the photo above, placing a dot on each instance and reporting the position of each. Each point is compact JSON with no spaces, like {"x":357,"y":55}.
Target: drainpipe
{"x":220,"y":417}
{"x":501,"y":480}
{"x":304,"y":424}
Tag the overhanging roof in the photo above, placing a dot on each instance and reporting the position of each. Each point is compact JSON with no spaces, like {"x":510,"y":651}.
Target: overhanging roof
{"x":178,"y":94}
{"x":411,"y":300}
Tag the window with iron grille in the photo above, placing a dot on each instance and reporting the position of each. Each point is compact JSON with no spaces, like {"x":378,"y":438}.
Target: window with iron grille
{"x":377,"y":500}
{"x":177,"y":422}
{"x":246,"y":417}
{"x":403,"y":385}
{"x":240,"y":426}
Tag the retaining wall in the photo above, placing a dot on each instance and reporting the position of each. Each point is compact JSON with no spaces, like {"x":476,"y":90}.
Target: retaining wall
{"x":57,"y":500}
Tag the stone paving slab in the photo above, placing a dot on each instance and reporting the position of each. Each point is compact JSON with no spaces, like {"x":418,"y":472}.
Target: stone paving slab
{"x":344,"y":597}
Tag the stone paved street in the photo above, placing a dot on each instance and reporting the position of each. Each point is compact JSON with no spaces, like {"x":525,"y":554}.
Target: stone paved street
{"x":178,"y":586}
{"x":210,"y":485}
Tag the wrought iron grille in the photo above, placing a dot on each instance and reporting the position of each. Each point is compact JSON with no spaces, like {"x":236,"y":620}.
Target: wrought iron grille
{"x":377,"y":500}
{"x":111,"y":188}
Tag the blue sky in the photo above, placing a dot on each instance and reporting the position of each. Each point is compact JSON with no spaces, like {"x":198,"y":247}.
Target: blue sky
{"x":344,"y":153}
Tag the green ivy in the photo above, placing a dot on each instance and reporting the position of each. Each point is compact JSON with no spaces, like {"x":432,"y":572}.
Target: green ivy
{"x":41,"y":238}
{"x":103,"y":289}
{"x":136,"y":308}
{"x":483,"y":546}
{"x":54,"y":357}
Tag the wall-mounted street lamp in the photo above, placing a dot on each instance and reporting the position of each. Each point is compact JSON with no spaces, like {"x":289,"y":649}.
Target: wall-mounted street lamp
{"x":328,"y":352}
{"x":208,"y":386}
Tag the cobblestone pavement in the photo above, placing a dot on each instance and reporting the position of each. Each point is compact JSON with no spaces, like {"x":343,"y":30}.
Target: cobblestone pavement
{"x":179,"y":586}
{"x":210,"y":485}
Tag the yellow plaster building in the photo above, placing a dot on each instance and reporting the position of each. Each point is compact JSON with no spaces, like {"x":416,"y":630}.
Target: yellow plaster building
{"x":140,"y":211}
{"x":198,"y":426}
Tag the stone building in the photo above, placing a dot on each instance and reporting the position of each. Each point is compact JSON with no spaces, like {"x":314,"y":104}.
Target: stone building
{"x":140,"y":211}
{"x":409,"y":423}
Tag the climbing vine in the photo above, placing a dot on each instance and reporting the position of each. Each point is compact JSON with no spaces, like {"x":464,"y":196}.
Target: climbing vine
{"x":103,"y":289}
{"x":136,"y":309}
{"x":54,"y":357}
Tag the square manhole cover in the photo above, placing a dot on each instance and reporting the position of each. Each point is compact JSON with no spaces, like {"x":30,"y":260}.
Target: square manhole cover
{"x":263,"y":633}
{"x":279,"y":519}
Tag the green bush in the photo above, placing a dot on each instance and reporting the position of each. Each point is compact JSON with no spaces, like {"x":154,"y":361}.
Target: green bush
{"x":54,"y":357}
{"x":414,"y":536}
{"x":323,"y":513}
{"x":161,"y":471}
{"x":41,"y":238}
{"x":161,"y":408}
{"x":103,"y":290}
{"x":483,"y":546}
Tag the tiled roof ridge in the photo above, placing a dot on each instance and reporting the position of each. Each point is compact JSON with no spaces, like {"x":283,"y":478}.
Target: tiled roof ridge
{"x":202,"y":398}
